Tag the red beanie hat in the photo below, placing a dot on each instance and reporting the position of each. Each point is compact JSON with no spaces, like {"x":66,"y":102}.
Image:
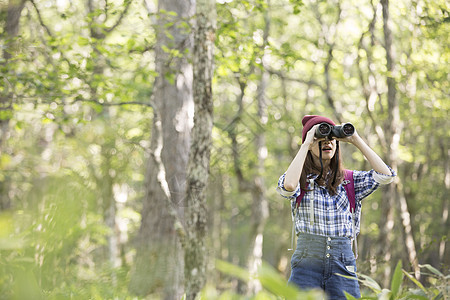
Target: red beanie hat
{"x":309,"y":121}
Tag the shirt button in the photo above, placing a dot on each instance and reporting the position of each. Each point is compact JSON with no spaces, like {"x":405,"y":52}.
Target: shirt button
{"x":328,"y":255}
{"x":329,"y":239}
{"x":328,"y":247}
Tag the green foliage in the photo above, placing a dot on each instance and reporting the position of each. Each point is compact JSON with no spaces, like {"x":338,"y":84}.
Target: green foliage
{"x":49,"y":253}
{"x":397,"y":279}
{"x":297,"y":4}
{"x":273,"y":283}
{"x":439,"y":288}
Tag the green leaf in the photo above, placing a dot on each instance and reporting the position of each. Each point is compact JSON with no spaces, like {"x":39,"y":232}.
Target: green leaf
{"x":396,"y":280}
{"x":26,"y":278}
{"x":230,"y":269}
{"x":170,"y":77}
{"x":169,"y":35}
{"x":11,"y":243}
{"x":385,"y":294}
{"x":82,"y":41}
{"x":432,"y":269}
{"x":273,"y":282}
{"x":348,"y":296}
{"x":169,"y":24}
{"x":415,"y":281}
{"x":370,"y":283}
{"x":420,"y":297}
{"x":131,"y":43}
{"x":439,"y":297}
{"x":366,"y":281}
{"x":165,"y":48}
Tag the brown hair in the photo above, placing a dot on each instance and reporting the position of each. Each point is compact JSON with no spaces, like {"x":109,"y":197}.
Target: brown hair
{"x":328,"y":173}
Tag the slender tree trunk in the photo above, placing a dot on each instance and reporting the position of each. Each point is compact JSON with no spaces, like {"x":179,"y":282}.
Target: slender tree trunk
{"x":443,"y":250}
{"x":106,"y":201}
{"x":108,"y":210}
{"x":159,"y":257}
{"x":392,"y":135}
{"x":260,"y":207}
{"x":407,"y":230}
{"x":395,"y":191}
{"x":198,"y":169}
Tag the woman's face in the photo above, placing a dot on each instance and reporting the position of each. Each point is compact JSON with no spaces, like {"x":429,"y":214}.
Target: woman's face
{"x":328,"y":149}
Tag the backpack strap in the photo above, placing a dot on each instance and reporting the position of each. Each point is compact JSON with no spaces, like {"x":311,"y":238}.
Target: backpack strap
{"x":300,"y":197}
{"x":349,"y":185}
{"x":295,"y":206}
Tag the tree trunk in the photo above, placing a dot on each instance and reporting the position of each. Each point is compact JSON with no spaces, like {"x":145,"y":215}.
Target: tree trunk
{"x":260,"y":207}
{"x":108,"y":211}
{"x":106,"y":201}
{"x":198,"y":169}
{"x":407,"y":231}
{"x":13,"y":13}
{"x":387,"y":206}
{"x":159,"y":257}
{"x":395,"y":191}
{"x":11,"y":30}
{"x":443,"y":250}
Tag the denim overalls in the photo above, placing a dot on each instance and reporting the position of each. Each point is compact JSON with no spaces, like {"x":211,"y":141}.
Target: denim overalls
{"x":318,"y":259}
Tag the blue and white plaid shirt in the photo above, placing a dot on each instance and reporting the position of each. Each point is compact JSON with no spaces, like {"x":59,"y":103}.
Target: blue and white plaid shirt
{"x":332,"y":216}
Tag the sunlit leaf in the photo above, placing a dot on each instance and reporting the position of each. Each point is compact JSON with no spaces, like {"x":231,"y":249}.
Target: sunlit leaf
{"x":418,"y":283}
{"x":432,"y":269}
{"x":230,"y":269}
{"x":397,"y":279}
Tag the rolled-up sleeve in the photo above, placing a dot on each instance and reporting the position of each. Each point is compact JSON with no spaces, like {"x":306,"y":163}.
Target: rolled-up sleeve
{"x":366,"y":182}
{"x":283,"y":192}
{"x":383,"y":178}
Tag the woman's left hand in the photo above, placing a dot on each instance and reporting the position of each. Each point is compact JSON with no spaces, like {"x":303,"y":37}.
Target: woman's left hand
{"x":349,"y":139}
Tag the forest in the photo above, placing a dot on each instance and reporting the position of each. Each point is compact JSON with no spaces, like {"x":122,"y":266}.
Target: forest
{"x":141,"y":143}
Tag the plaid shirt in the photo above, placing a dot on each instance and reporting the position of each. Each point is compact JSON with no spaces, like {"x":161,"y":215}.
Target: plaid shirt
{"x":332,"y":216}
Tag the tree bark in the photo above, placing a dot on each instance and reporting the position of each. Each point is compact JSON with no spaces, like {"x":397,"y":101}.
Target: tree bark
{"x":389,"y":195}
{"x":11,"y":30}
{"x":159,"y":258}
{"x":13,"y":13}
{"x":260,"y":206}
{"x":443,"y":250}
{"x":198,"y":169}
{"x":106,"y":201}
{"x":394,"y":192}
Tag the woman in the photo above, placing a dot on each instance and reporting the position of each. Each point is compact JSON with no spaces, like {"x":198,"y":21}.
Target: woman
{"x":323,"y":222}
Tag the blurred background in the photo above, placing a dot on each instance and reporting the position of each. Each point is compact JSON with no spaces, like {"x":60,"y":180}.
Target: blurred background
{"x":96,"y":104}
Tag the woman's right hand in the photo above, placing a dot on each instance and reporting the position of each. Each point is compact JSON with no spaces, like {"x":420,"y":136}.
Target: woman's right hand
{"x":294,"y":171}
{"x":310,"y":138}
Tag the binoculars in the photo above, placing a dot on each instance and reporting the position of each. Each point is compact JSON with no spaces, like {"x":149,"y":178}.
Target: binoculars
{"x":339,"y":131}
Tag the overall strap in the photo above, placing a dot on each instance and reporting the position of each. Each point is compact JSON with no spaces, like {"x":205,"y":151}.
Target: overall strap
{"x":349,"y":185}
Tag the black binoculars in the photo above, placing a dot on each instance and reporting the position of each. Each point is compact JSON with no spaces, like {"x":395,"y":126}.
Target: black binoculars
{"x":339,"y":131}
